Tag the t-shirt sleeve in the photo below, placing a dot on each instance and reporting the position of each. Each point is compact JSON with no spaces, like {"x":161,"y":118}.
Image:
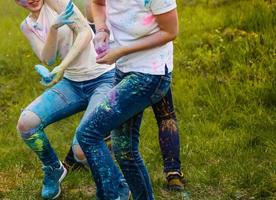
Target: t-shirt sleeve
{"x":162,"y":6}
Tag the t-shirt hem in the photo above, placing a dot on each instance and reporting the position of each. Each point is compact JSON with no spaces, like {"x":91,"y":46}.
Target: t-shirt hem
{"x":127,"y":70}
{"x":86,"y":77}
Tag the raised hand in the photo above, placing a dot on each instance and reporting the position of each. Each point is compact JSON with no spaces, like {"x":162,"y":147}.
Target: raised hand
{"x":63,"y":18}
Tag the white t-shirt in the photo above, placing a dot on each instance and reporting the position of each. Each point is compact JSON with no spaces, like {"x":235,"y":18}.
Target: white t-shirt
{"x":131,"y":20}
{"x":84,"y":67}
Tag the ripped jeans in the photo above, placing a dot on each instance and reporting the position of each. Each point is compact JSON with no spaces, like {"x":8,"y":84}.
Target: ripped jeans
{"x":62,"y":100}
{"x":121,"y":111}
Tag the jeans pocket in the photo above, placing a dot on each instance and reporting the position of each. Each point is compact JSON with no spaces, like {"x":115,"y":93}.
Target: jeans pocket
{"x":162,"y":88}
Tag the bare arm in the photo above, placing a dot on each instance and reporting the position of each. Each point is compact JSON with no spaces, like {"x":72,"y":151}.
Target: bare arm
{"x":98,"y":9}
{"x":49,"y":51}
{"x":80,"y":28}
{"x":35,"y":42}
{"x":88,"y":11}
{"x":168,"y":24}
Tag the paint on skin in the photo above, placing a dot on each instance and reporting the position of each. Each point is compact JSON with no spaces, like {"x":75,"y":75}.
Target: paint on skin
{"x":23,"y":3}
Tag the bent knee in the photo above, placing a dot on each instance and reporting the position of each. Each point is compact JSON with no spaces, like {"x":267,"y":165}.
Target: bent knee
{"x":78,"y":153}
{"x":27,"y":121}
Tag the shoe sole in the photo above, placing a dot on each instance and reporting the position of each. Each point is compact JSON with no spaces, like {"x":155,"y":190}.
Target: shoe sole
{"x":175,"y":188}
{"x":60,"y":180}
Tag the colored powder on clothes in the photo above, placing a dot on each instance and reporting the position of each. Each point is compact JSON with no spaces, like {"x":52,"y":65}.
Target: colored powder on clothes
{"x":147,"y":2}
{"x":35,"y":142}
{"x":148,"y":20}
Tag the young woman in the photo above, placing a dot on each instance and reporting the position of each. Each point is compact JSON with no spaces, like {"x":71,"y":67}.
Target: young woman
{"x":167,"y":124}
{"x":143,"y":31}
{"x":54,"y":29}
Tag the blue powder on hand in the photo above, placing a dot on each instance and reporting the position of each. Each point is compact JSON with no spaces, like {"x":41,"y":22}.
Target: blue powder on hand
{"x":46,"y":76}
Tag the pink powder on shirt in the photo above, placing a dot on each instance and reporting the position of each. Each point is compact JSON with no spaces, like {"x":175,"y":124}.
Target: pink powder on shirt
{"x":154,"y":66}
{"x":149,"y":19}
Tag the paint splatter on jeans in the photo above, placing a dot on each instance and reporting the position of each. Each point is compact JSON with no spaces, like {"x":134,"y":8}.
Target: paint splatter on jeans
{"x":40,"y":144}
{"x":121,"y":110}
{"x":168,"y":132}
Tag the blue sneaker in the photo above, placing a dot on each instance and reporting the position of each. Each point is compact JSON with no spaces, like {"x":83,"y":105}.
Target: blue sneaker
{"x":52,"y":179}
{"x":124,"y":192}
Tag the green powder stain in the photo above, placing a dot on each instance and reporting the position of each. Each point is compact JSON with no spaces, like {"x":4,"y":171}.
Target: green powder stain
{"x":36,"y":142}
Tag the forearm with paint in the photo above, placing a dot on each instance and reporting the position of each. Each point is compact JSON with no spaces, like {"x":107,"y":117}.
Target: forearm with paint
{"x":83,"y":38}
{"x":80,"y":28}
{"x":49,"y":51}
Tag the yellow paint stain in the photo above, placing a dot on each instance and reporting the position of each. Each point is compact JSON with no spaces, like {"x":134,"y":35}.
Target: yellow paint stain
{"x":169,"y":125}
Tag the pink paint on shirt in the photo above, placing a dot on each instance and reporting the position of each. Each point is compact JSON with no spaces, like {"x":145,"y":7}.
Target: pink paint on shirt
{"x":154,"y":66}
{"x":149,"y":19}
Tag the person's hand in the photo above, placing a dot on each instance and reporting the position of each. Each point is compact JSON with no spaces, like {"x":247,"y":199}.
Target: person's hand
{"x":63,"y":18}
{"x":101,"y":41}
{"x":57,"y":75}
{"x":110,"y":56}
{"x":45,"y":74}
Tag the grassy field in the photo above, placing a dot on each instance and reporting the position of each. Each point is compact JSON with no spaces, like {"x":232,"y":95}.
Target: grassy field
{"x":225,"y":95}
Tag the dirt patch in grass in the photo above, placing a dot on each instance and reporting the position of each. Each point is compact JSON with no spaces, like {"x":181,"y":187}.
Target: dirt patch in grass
{"x":6,"y":183}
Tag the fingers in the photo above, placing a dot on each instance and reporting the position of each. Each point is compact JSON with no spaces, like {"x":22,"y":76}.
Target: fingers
{"x":70,"y":3}
{"x":54,"y":81}
{"x":68,"y":22}
{"x":103,"y":60}
{"x":101,"y":55}
{"x":69,"y":10}
{"x":67,"y":14}
{"x":55,"y":70}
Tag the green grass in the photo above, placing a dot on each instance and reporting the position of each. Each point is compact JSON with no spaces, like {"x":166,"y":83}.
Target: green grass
{"x":224,"y":93}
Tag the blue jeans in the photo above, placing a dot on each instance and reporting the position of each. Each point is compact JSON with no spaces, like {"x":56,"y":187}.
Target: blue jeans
{"x":168,"y":130}
{"x":121,"y":111}
{"x":62,"y":100}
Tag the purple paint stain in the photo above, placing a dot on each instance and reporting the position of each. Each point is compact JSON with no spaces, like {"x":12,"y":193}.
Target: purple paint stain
{"x":112,"y":97}
{"x":102,"y":48}
{"x":23,"y":2}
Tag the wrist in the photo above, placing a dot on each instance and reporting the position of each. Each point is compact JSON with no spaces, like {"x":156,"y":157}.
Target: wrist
{"x":102,"y":28}
{"x":53,"y":28}
{"x":123,"y":51}
{"x":62,"y":68}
